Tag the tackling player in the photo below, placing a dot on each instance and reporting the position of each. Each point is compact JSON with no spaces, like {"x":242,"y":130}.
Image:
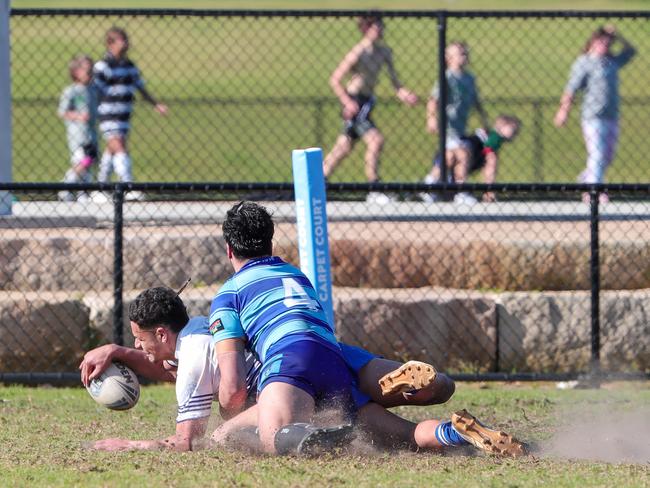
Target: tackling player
{"x":171,"y":347}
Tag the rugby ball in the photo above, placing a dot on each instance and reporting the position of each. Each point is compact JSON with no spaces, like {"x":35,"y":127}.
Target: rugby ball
{"x":116,"y":388}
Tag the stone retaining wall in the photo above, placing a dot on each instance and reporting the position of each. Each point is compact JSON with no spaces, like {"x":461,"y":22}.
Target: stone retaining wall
{"x":454,"y":329}
{"x":515,"y":256}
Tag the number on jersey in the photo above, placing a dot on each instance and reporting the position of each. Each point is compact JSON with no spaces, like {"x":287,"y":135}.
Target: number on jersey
{"x":296,"y":296}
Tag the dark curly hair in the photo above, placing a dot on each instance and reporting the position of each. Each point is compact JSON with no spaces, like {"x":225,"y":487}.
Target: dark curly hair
{"x":248,"y":230}
{"x":158,"y":306}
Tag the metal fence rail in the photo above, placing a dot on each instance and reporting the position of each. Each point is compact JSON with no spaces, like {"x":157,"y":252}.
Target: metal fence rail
{"x":245,"y":86}
{"x":538,"y":285}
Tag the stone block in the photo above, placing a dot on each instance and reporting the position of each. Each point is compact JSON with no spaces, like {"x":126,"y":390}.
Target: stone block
{"x":42,"y":332}
{"x":451,"y":330}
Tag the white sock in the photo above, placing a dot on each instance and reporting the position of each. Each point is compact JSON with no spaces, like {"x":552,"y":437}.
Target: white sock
{"x":105,"y":168}
{"x":122,"y":163}
{"x":71,"y":176}
{"x":428,"y":179}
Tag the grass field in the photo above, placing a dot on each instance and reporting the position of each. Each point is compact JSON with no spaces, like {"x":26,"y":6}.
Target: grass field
{"x":43,"y":428}
{"x":244,"y":91}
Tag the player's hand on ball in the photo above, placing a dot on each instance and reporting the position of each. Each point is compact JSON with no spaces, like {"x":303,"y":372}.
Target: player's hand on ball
{"x":95,"y":362}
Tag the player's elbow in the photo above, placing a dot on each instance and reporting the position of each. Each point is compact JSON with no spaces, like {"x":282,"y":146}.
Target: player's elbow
{"x":231,"y":400}
{"x":335,"y":81}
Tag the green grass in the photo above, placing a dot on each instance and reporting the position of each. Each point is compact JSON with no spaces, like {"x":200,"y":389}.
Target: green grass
{"x":43,"y":428}
{"x":244,"y":92}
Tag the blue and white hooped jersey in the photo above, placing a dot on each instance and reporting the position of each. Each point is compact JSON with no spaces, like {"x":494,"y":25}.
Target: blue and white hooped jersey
{"x":266,"y":301}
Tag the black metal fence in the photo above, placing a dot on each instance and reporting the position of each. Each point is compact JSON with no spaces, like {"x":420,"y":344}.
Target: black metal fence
{"x":243,"y":88}
{"x":540,"y":284}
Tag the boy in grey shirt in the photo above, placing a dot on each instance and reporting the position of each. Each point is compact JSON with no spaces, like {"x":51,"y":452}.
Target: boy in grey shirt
{"x":462,"y":97}
{"x":78,"y":109}
{"x":596,"y":73}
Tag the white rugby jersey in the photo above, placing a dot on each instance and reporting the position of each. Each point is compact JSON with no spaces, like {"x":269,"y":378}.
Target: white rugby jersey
{"x":197,"y":376}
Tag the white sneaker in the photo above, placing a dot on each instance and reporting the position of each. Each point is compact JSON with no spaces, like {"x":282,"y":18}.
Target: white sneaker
{"x":464,"y":198}
{"x":379,"y":198}
{"x":100,"y":197}
{"x":65,"y":196}
{"x":428,"y":197}
{"x":134,"y":196}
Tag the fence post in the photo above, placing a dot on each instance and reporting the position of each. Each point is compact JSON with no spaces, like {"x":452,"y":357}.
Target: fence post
{"x":442,"y":95}
{"x":5,"y":108}
{"x":118,"y":276}
{"x":538,"y":145}
{"x":595,"y":284}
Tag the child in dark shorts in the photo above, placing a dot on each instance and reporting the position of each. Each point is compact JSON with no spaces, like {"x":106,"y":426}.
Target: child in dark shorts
{"x":482,"y":147}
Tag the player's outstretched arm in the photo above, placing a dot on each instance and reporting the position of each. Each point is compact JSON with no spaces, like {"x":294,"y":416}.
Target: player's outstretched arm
{"x":161,"y":108}
{"x":403,"y":94}
{"x":187,"y":433}
{"x":432,"y":115}
{"x":97,"y":360}
{"x":482,"y":114}
{"x":563,"y":111}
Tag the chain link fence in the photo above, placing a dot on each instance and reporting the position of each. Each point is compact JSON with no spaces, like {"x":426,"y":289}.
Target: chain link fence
{"x":538,"y":284}
{"x":243,"y":88}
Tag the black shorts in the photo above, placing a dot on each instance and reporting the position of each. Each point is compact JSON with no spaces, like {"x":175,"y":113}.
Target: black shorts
{"x":90,"y":150}
{"x":361,"y":123}
{"x":476,"y":157}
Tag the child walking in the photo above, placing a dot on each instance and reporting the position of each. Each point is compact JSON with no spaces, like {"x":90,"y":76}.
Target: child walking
{"x":117,"y":79}
{"x":78,"y":109}
{"x":595,"y":72}
{"x":462,"y":97}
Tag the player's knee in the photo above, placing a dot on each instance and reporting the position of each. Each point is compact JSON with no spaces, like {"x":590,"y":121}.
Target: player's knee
{"x":447,"y":389}
{"x":376,"y":142}
{"x":345,"y":147}
{"x":116,"y":145}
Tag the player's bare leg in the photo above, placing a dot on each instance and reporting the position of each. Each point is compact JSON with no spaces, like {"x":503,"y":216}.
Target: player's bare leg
{"x":374,"y":141}
{"x":388,"y":430}
{"x":341,"y":149}
{"x":461,"y":156}
{"x":280,"y":404}
{"x":438,"y":390}
{"x":460,"y":171}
